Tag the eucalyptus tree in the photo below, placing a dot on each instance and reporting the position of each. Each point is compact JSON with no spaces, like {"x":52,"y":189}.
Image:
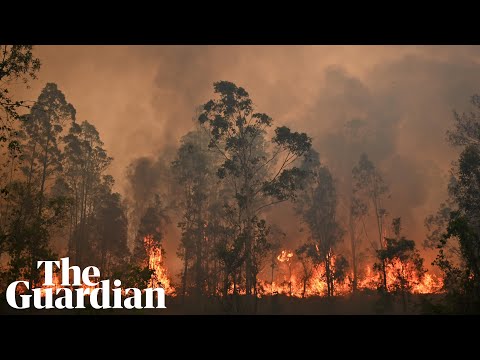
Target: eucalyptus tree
{"x":34,"y":208}
{"x":317,"y":206}
{"x":369,"y":184}
{"x":256,"y":166}
{"x":84,"y":164}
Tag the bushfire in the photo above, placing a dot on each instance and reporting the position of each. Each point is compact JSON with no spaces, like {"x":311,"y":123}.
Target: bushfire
{"x":155,"y":261}
{"x":292,"y":280}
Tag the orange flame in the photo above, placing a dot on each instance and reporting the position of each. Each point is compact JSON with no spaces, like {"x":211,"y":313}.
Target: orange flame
{"x":155,"y":263}
{"x":291,"y":284}
{"x":285,"y":256}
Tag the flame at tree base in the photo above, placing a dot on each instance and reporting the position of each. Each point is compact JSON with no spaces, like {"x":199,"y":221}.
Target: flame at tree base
{"x":400,"y":278}
{"x":155,"y":262}
{"x":291,"y":283}
{"x":316,"y":284}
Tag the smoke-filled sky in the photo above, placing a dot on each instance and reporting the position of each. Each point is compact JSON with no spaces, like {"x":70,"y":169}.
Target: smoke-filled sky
{"x":142,"y":99}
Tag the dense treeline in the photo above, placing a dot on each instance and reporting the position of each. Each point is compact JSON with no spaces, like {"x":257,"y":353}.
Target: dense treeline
{"x":235,"y":165}
{"x":57,"y":187}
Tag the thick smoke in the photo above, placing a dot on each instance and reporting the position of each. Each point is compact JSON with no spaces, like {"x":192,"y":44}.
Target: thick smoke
{"x":145,"y":178}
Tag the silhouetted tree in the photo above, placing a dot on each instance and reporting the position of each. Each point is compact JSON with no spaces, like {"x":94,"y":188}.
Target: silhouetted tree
{"x":260,"y":248}
{"x":85,"y":162}
{"x":238,"y":134}
{"x":353,"y":206}
{"x":152,"y":224}
{"x":403,"y":261}
{"x":17,"y":64}
{"x":459,"y":219}
{"x":317,"y":206}
{"x":41,"y":163}
{"x":110,"y":223}
{"x":305,"y":257}
{"x":368,"y":182}
{"x":194,"y":171}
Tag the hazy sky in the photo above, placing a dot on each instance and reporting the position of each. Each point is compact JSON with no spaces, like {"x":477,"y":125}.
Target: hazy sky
{"x":143,"y":98}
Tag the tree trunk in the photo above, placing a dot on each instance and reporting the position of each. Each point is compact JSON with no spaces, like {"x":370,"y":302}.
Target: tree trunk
{"x":273,"y":268}
{"x":255,"y":292}
{"x":225,"y":285}
{"x":248,"y":256}
{"x":44,"y":176}
{"x":104,"y":255}
{"x":354,"y":255}
{"x":380,"y":238}
{"x":290,"y":278}
{"x":184,"y":277}
{"x":34,"y":244}
{"x":82,"y":239}
{"x":305,"y":279}
{"x":208,"y":279}
{"x":384,"y":270}
{"x":328,"y":275}
{"x":198,"y":266}
{"x":248,"y":228}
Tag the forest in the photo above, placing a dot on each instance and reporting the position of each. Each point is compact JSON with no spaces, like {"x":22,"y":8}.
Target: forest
{"x":218,"y":188}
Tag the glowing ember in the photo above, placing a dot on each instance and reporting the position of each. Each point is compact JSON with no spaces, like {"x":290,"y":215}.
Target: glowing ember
{"x":285,"y":256}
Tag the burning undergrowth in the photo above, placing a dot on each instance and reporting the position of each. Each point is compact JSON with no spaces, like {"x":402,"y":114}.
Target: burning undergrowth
{"x":154,"y":274}
{"x":292,"y":280}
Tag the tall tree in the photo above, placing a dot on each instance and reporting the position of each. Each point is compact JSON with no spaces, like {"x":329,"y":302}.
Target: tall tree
{"x":353,"y":209}
{"x":109,"y":225}
{"x":194,"y":171}
{"x":317,"y":206}
{"x":41,"y":128}
{"x":462,"y":231}
{"x":368,"y":182}
{"x":305,"y":256}
{"x":152,"y":226}
{"x":84,"y":164}
{"x":357,"y":211}
{"x":17,"y":64}
{"x":260,"y":248}
{"x":238,"y":133}
{"x":464,"y":226}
